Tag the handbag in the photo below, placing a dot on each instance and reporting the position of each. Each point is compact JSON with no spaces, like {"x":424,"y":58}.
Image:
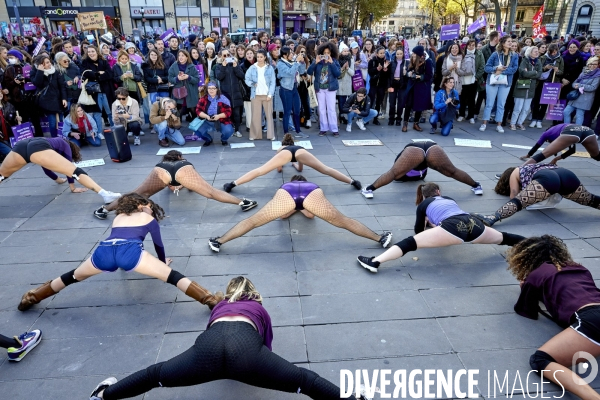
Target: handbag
{"x":312,"y":95}
{"x":196,"y":124}
{"x":523,"y":83}
{"x":85,"y":98}
{"x":163,"y":87}
{"x":243,"y":91}
{"x":180,"y":92}
{"x":92,"y":87}
{"x":143,"y":88}
{"x":498,"y":79}
{"x":447,"y":115}
{"x":573,"y":95}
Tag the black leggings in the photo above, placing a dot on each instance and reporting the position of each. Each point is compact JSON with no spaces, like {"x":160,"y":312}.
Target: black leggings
{"x":376,"y":95}
{"x":559,"y":180}
{"x":226,"y":350}
{"x":6,"y":342}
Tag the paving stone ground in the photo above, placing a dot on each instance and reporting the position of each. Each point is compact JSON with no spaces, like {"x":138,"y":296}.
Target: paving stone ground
{"x":448,"y":308}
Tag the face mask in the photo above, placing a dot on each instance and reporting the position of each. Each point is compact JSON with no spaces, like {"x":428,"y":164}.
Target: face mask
{"x":13,"y":61}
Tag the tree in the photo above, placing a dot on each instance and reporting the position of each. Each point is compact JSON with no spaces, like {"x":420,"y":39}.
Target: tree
{"x":498,"y":13}
{"x":379,"y":8}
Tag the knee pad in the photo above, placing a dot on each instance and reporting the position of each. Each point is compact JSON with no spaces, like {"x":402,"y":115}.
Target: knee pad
{"x":539,"y":157}
{"x":517,"y":203}
{"x":68,"y":278}
{"x":540,"y":360}
{"x":308,"y":379}
{"x":78,"y":171}
{"x":407,"y":245}
{"x":510,"y":239}
{"x":175,"y":277}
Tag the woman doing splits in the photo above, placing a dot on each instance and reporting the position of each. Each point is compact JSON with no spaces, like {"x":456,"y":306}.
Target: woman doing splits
{"x":176,"y":172}
{"x":564,"y":136}
{"x":533,"y":183}
{"x":235,"y":345}
{"x":52,"y":154}
{"x":449,"y":226}
{"x":17,"y":347}
{"x":412,"y":164}
{"x":547,"y":273}
{"x":299,"y":195}
{"x":124,"y":249}
{"x":297,"y":155}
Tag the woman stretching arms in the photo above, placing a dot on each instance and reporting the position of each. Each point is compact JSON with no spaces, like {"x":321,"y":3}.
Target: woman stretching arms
{"x":124,"y":249}
{"x":235,"y":345}
{"x":299,"y":157}
{"x":564,"y":136}
{"x":450,"y":226}
{"x":547,"y":273}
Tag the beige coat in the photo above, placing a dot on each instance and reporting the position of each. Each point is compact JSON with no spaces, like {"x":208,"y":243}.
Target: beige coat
{"x":132,"y":107}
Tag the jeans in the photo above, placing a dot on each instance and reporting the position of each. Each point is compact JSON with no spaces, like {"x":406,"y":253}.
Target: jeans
{"x":52,"y":123}
{"x":4,"y":149}
{"x":110,"y":255}
{"x":226,"y":131}
{"x":495,"y":94}
{"x":173,"y":134}
{"x":291,"y":105}
{"x":579,"y":114}
{"x":520,"y":111}
{"x":103,"y":104}
{"x":96,"y":142}
{"x":154,"y":95}
{"x":372,"y":114}
{"x":146,"y":109}
{"x":434,"y":119}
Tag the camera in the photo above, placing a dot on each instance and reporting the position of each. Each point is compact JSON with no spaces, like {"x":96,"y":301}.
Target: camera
{"x":20,"y":77}
{"x":121,"y":110}
{"x":454,"y":102}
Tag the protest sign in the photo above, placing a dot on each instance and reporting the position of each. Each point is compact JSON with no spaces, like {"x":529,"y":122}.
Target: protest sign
{"x":182,"y":150}
{"x":478,"y":24}
{"x":88,"y":21}
{"x":167,"y":35}
{"x":550,"y":93}
{"x":555,"y":111}
{"x":20,"y":132}
{"x":449,"y":32}
{"x":473,"y":143}
{"x":362,"y":142}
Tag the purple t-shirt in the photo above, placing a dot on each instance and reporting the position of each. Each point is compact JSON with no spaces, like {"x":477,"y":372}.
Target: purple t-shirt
{"x":61,"y":146}
{"x":562,"y":292}
{"x":139,"y":233}
{"x":551,"y":134}
{"x":250,"y":309}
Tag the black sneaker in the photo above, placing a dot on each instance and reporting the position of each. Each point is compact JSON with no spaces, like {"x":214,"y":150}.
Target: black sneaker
{"x":214,"y":244}
{"x":102,"y":386}
{"x":228,"y":187}
{"x":368,"y":263}
{"x":488,"y":220}
{"x":385,"y":239}
{"x":101,"y":213}
{"x":224,"y":143}
{"x":356,"y":184}
{"x":248,"y":204}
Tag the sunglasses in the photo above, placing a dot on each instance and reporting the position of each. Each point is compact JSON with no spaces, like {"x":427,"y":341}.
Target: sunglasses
{"x":122,"y":98}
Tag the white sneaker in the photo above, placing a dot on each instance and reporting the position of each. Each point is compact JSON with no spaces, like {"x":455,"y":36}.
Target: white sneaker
{"x":360,"y":124}
{"x":142,"y":133}
{"x":460,"y":119}
{"x":538,"y":124}
{"x":499,"y":128}
{"x":103,"y":385}
{"x":349,"y":128}
{"x":237,"y":134}
{"x":136,"y":141}
{"x":251,"y":138}
{"x":108,"y":197}
{"x":100,"y":136}
{"x":129,"y":134}
{"x":532,"y":124}
{"x":367,"y":193}
{"x":308,"y":124}
{"x":482,"y":127}
{"x":472,"y":121}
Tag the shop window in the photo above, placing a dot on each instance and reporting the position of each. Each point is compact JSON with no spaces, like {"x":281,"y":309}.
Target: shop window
{"x":20,"y":3}
{"x":219,"y":3}
{"x":250,"y":3}
{"x":58,"y":3}
{"x":250,"y":22}
{"x":187,"y":3}
{"x":99,"y":3}
{"x":268,"y":24}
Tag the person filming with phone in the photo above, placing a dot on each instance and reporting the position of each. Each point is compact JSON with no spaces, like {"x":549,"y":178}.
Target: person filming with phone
{"x":358,"y":105}
{"x":229,"y":73}
{"x":214,"y":107}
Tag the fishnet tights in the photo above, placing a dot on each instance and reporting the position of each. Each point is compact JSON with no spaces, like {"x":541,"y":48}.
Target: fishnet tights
{"x":582,"y":196}
{"x":531,"y":194}
{"x":410,"y":158}
{"x":438,"y":160}
{"x":154,"y":183}
{"x":192,"y":180}
{"x":282,"y":204}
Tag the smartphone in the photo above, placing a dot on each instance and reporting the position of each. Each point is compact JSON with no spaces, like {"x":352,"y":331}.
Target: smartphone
{"x":229,"y":60}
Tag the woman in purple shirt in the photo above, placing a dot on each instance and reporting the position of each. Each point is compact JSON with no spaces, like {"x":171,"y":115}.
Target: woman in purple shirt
{"x":449,"y":226}
{"x":547,"y":273}
{"x":564,"y":136}
{"x":52,"y":154}
{"x":236,"y":345}
{"x":299,"y":195}
{"x":124,"y":249}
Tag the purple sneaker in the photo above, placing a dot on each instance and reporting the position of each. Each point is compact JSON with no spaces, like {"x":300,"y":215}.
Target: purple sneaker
{"x":28,"y":342}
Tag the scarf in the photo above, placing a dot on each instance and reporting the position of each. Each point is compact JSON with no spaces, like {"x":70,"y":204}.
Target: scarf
{"x":84,"y":125}
{"x":49,"y":71}
{"x":345,"y":59}
{"x":182,"y":67}
{"x":471,"y":51}
{"x":213,"y":103}
{"x":551,"y":59}
{"x":533,"y":61}
{"x":587,"y":74}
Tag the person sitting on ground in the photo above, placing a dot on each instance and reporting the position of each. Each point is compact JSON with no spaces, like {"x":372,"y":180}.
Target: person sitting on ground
{"x":166,"y":121}
{"x":79,"y":126}
{"x":358,"y":105}
{"x":126,"y":112}
{"x":213,"y":107}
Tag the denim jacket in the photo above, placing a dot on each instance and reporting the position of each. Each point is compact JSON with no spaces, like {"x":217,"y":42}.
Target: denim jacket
{"x":286,"y":72}
{"x":69,"y":126}
{"x":334,"y":70}
{"x":252,"y":79}
{"x":495,"y":60}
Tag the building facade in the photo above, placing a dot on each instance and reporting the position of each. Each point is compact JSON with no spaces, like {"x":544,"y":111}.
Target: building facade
{"x":407,"y":17}
{"x":302,"y":16}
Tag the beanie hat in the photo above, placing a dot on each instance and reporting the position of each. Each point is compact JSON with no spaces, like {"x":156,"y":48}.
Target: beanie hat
{"x":129,"y":45}
{"x":419,"y":50}
{"x":271,"y":47}
{"x":192,"y":37}
{"x":16,"y":53}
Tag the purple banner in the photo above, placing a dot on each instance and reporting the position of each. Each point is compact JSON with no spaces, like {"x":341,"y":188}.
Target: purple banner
{"x":449,"y":32}
{"x":478,"y":24}
{"x":29,"y":86}
{"x":201,"y":76}
{"x":39,"y":46}
{"x":357,"y":80}
{"x":167,"y":35}
{"x":135,"y":58}
{"x":20,"y":132}
{"x":77,"y":50}
{"x":27,"y":71}
{"x":555,"y":111}
{"x":550,"y":93}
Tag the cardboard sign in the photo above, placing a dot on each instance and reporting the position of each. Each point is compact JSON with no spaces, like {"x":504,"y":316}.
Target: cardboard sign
{"x":582,"y":154}
{"x":91,"y":20}
{"x":362,"y":142}
{"x":555,"y":111}
{"x":550,"y":93}
{"x":167,"y":35}
{"x":473,"y":143}
{"x":421,"y":140}
{"x":241,"y":145}
{"x":449,"y":32}
{"x":517,"y":146}
{"x":276,"y":144}
{"x":182,"y":150}
{"x":20,"y":132}
{"x":89,"y":163}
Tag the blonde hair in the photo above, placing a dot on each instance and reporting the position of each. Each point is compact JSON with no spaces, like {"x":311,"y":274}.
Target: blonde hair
{"x":592,"y":59}
{"x":242,"y":288}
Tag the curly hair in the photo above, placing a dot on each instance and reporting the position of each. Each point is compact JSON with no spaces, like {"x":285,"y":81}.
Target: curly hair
{"x":129,"y":203}
{"x":532,"y":252}
{"x":242,"y":288}
{"x":288,"y":140}
{"x":333,"y":50}
{"x":172,"y":155}
{"x":75,"y":153}
{"x":503,"y":185}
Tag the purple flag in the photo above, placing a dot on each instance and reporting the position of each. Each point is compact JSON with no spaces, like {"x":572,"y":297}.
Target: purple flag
{"x":135,"y":58}
{"x":201,"y":76}
{"x":555,"y":111}
{"x":550,"y":93}
{"x":167,"y":35}
{"x":449,"y":32}
{"x":478,"y":24}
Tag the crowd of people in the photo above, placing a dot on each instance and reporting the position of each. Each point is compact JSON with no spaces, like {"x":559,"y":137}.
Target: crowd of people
{"x":214,"y":84}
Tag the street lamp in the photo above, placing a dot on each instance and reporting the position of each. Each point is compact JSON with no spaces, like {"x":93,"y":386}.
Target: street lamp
{"x":143,"y":20}
{"x":432,"y":13}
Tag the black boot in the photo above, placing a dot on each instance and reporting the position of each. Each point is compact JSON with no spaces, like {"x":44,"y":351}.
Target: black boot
{"x":376,"y":121}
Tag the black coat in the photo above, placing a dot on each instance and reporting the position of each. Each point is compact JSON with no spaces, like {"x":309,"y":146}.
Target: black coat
{"x":244,"y":65}
{"x":107,"y":84}
{"x":71,"y":73}
{"x":151,"y":76}
{"x":229,"y":78}
{"x":403,"y":78}
{"x":52,"y":90}
{"x":378,"y":78}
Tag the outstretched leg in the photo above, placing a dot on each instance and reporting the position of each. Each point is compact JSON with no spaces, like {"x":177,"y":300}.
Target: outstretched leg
{"x":409,"y":159}
{"x":53,"y":161}
{"x":281,"y":204}
{"x":582,"y":196}
{"x":11,"y":164}
{"x":561,"y":143}
{"x":192,"y":180}
{"x":279,"y":160}
{"x":154,"y":183}
{"x":317,"y":203}
{"x":308,"y":159}
{"x":438,"y":160}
